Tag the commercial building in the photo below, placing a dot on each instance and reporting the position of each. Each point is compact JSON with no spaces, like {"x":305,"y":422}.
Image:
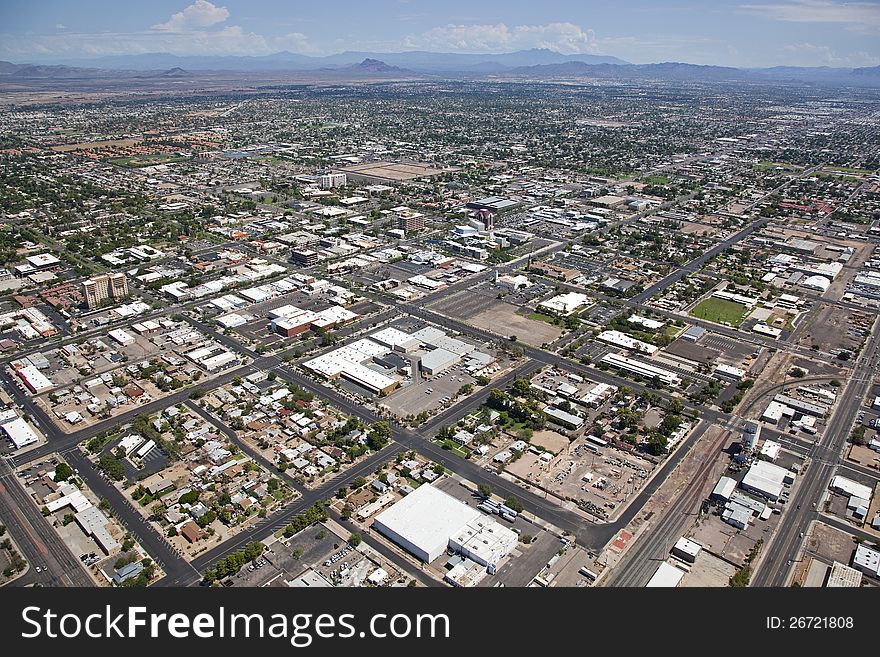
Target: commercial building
{"x":686,"y":549}
{"x":212,"y":358}
{"x":396,"y":339}
{"x":492,"y":203}
{"x":641,"y":368}
{"x":438,"y":360}
{"x":818,"y":410}
{"x":775,"y":411}
{"x":558,"y":416}
{"x":331,"y":180}
{"x":348,"y":362}
{"x":514,"y":283}
{"x":620,"y":339}
{"x":650,"y":324}
{"x":767,"y":480}
{"x":305,"y":258}
{"x":723,"y":489}
{"x":736,"y":516}
{"x":845,"y":486}
{"x":867,"y":560}
{"x":694,"y":333}
{"x":20,"y":433}
{"x":94,"y":523}
{"x":423,"y":521}
{"x":105,"y":286}
{"x":409,"y":223}
{"x":34,"y":379}
{"x":428,"y":521}
{"x":42,"y":261}
{"x":667,"y":576}
{"x":484,"y":541}
{"x":730,"y":372}
{"x":842,"y":576}
{"x":564,"y":304}
{"x":121,"y":336}
{"x":769,"y":331}
{"x":770,"y":450}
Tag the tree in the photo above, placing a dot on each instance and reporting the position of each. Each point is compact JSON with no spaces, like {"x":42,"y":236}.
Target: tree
{"x":514,"y":504}
{"x":741,"y":578}
{"x":657,"y":443}
{"x":189,"y":498}
{"x":63,"y":472}
{"x":485,"y":491}
{"x":354,"y":540}
{"x":378,"y":436}
{"x":112,"y":467}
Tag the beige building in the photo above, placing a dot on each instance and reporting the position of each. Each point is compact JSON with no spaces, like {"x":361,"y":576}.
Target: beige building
{"x":105,"y":286}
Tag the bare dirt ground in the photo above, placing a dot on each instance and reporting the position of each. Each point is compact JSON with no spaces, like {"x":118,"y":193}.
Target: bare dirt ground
{"x":550,"y":440}
{"x":503,"y":319}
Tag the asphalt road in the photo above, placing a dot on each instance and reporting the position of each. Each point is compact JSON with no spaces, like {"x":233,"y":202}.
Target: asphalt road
{"x":644,"y":556}
{"x":172,"y":562}
{"x":784,"y":546}
{"x":36,"y":538}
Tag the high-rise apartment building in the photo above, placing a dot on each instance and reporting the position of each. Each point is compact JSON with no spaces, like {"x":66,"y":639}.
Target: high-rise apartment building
{"x":105,"y":286}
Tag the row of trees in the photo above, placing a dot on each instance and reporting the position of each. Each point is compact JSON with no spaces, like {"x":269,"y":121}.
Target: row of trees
{"x":232,"y":563}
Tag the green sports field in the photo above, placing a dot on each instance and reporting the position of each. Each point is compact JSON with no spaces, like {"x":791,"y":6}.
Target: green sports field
{"x":720,"y":311}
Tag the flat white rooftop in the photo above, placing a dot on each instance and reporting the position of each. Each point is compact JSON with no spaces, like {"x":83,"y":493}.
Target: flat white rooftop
{"x":423,"y":521}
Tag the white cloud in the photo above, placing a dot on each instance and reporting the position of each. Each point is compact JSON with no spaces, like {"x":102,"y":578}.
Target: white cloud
{"x":566,"y":38}
{"x":295,"y":42}
{"x":231,"y":40}
{"x":200,"y":14}
{"x":809,"y":54}
{"x":820,"y":11}
{"x":60,"y":26}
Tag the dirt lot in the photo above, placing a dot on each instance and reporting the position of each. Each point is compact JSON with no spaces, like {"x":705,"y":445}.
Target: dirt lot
{"x":833,"y":328}
{"x":829,"y":544}
{"x":502,"y":318}
{"x":864,"y":456}
{"x":708,"y":570}
{"x":608,"y":478}
{"x":550,"y":440}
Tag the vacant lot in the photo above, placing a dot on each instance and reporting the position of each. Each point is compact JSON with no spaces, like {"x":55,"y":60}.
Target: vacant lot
{"x":720,"y":311}
{"x":502,"y":318}
{"x":550,"y":440}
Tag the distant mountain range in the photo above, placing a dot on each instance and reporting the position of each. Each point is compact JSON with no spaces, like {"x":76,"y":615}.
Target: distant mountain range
{"x":540,"y":64}
{"x":417,"y":61}
{"x":678,"y":71}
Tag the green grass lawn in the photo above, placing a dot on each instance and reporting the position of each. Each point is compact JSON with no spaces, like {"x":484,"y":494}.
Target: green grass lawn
{"x":656,"y":180}
{"x":767,"y":164}
{"x":847,"y":170}
{"x":720,"y":311}
{"x":540,"y":317}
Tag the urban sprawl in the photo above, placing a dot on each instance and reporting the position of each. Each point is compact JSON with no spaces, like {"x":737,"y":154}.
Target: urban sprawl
{"x":437,"y":333}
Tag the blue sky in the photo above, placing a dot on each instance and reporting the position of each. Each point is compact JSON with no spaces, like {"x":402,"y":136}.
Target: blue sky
{"x":724,"y":32}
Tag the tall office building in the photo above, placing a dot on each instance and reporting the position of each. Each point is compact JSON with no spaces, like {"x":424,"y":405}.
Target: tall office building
{"x":331,"y":180}
{"x":409,"y":224}
{"x":105,"y":286}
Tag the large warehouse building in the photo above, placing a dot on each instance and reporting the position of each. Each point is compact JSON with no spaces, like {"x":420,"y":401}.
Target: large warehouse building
{"x":427,"y":521}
